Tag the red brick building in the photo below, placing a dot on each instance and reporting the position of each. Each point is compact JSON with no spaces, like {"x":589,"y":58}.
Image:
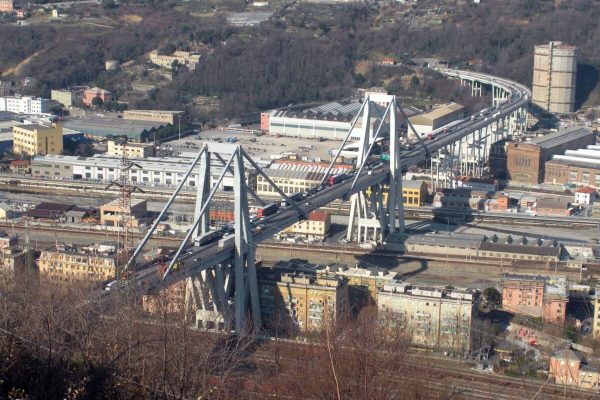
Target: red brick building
{"x":95,"y":92}
{"x":553,"y":207}
{"x":525,"y":161}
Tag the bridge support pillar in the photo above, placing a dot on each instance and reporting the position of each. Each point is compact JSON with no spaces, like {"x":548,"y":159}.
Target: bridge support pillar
{"x":244,"y":268}
{"x":476,"y":89}
{"x":202,"y":194}
{"x":373,"y":215}
{"x":205,"y":303}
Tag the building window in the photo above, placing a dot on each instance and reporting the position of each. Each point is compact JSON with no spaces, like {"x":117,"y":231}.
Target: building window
{"x":573,"y":174}
{"x":585,"y":176}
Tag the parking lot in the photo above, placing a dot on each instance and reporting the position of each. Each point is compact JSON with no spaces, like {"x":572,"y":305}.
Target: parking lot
{"x":259,"y":146}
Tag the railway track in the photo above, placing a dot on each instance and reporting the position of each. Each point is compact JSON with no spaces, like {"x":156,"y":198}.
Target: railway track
{"x":459,"y":382}
{"x":25,"y":184}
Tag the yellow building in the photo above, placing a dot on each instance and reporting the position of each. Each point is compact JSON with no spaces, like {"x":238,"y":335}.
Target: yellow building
{"x":37,"y":139}
{"x":414,"y":193}
{"x":289,"y":181}
{"x":68,"y":263}
{"x":133,"y":150}
{"x":364,"y":284}
{"x":434,"y":317}
{"x":314,"y":228}
{"x":293,"y":302}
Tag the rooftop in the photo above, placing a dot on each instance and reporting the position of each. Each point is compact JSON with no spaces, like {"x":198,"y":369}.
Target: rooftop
{"x":177,"y":165}
{"x":375,"y":272}
{"x":338,"y":111}
{"x":20,"y":163}
{"x":586,"y":190}
{"x":557,"y":45}
{"x":318,"y":216}
{"x":98,"y":250}
{"x":116,"y":203}
{"x":305,"y":167}
{"x":507,"y":276}
{"x":561,"y":137}
{"x":512,"y":248}
{"x":475,"y":180}
{"x":586,"y":158}
{"x":553,"y":202}
{"x":394,"y":286}
{"x":437,"y":113}
{"x":447,"y":239}
{"x":159,"y":112}
{"x":98,"y":90}
{"x":112,"y":126}
{"x":409,"y":184}
{"x":292,"y":174}
{"x":34,"y":127}
{"x":557,"y":286}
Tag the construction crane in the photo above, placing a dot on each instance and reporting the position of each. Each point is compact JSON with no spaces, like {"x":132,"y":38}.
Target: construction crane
{"x":126,"y":190}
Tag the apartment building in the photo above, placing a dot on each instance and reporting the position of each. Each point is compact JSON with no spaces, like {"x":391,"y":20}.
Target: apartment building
{"x":315,"y":227}
{"x":90,"y":94}
{"x":569,"y":368}
{"x":6,"y":6}
{"x":434,"y":318}
{"x":12,"y":258}
{"x":37,"y":139}
{"x":300,"y":302}
{"x":535,"y":296}
{"x":184,"y":58}
{"x":24,"y":105}
{"x":67,"y":263}
{"x":133,"y":150}
{"x":5,"y":86}
{"x":65,"y":97}
{"x":364,"y":284}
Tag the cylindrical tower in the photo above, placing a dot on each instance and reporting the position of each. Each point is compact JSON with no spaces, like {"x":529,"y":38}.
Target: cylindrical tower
{"x":555,"y":77}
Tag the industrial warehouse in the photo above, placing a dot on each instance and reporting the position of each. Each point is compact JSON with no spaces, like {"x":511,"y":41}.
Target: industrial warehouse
{"x":330,"y":121}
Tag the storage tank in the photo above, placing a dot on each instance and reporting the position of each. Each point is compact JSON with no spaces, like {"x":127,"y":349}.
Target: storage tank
{"x":555,"y":77}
